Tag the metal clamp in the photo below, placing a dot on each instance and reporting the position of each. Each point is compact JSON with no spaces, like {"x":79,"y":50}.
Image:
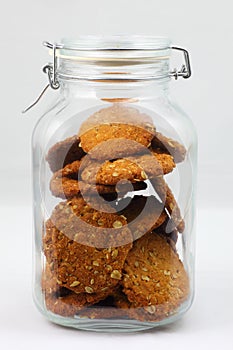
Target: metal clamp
{"x":51,"y":68}
{"x":185,"y":71}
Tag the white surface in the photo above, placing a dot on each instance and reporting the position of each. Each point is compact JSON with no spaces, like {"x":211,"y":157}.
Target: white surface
{"x":208,"y":324}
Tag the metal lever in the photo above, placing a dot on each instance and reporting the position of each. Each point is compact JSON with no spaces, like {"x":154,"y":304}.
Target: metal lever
{"x":51,"y":70}
{"x":185,"y":71}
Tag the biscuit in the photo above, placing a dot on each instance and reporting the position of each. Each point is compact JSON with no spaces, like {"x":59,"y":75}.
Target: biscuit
{"x":143,"y":215}
{"x":100,"y":135}
{"x":64,"y":152}
{"x":61,"y":300}
{"x":118,"y":113}
{"x":103,"y":312}
{"x":171,"y":236}
{"x":114,"y":306}
{"x":171,"y":206}
{"x":86,"y":247}
{"x":115,"y":148}
{"x":68,"y":303}
{"x":170,"y":146}
{"x":118,"y":123}
{"x":133,"y":169}
{"x":65,"y":184}
{"x":120,"y":188}
{"x":174,"y":211}
{"x":49,"y":283}
{"x":155,"y":280}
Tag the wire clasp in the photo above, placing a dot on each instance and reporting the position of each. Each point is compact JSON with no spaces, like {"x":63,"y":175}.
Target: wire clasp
{"x":51,"y":70}
{"x":185,"y":71}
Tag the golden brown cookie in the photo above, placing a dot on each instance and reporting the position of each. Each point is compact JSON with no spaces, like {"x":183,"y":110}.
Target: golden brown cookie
{"x":121,"y":188}
{"x":100,"y":135}
{"x":119,"y":123}
{"x":143,"y":215}
{"x":171,"y":206}
{"x":66,"y":306}
{"x":65,"y":184}
{"x":64,"y":152}
{"x":116,"y":148}
{"x":49,"y":283}
{"x":171,"y":236}
{"x":86,"y":247}
{"x":114,"y":306}
{"x":133,"y":169}
{"x":63,"y":301}
{"x":103,"y":312}
{"x":118,"y":113}
{"x":155,"y":278}
{"x":170,"y":146}
{"x":174,"y":211}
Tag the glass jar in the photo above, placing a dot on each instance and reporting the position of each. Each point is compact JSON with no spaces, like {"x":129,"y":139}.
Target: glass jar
{"x":114,"y":174}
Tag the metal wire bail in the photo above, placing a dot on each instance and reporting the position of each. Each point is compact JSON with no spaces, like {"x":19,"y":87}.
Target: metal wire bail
{"x":185,"y":71}
{"x":51,"y":69}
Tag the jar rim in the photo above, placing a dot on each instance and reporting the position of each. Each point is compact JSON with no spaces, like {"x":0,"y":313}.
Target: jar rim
{"x":114,"y":47}
{"x":116,"y":42}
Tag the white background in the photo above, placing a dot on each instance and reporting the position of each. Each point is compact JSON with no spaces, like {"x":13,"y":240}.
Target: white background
{"x":205,"y":28}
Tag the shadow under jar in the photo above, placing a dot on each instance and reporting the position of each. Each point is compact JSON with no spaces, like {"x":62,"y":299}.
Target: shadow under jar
{"x":114,"y":173}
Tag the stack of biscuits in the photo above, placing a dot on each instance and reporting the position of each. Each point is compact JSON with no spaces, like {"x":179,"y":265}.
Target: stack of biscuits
{"x":110,"y":243}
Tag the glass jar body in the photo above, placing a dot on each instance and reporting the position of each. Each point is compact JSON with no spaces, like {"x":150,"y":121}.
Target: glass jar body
{"x":141,"y":193}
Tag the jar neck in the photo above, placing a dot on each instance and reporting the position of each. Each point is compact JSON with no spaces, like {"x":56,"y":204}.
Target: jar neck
{"x":114,"y":69}
{"x":114,"y":91}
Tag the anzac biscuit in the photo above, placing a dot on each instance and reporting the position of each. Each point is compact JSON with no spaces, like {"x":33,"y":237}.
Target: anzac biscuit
{"x":116,"y":148}
{"x":132,"y":169}
{"x":143,"y":215}
{"x":65,"y":184}
{"x":61,"y":300}
{"x":170,"y":146}
{"x":67,"y":303}
{"x":116,"y":123}
{"x":103,"y":312}
{"x":155,"y":278}
{"x":120,"y":188}
{"x":118,"y":113}
{"x":49,"y":283}
{"x":121,"y":132}
{"x":172,"y":207}
{"x":64,"y":152}
{"x":86,"y":247}
{"x":176,"y":220}
{"x":114,"y":306}
{"x":171,"y":236}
